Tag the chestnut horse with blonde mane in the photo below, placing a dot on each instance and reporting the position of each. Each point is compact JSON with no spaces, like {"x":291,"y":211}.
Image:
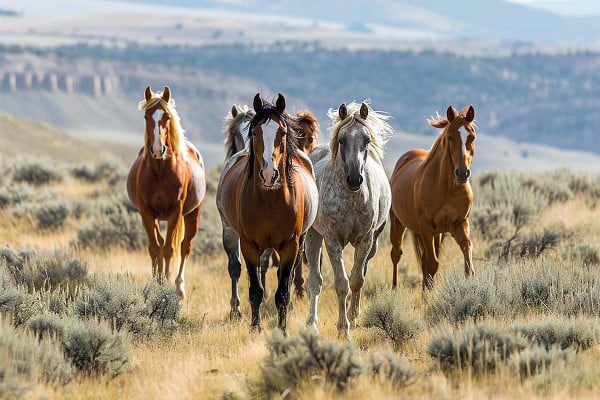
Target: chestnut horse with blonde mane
{"x":235,"y":122}
{"x":267,"y":198}
{"x":431,"y":194}
{"x":167,"y":183}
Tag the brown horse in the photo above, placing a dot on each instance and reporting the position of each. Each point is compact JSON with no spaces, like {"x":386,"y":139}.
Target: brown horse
{"x":431,"y":194}
{"x":267,"y":198}
{"x":235,"y":122}
{"x":167,"y":182}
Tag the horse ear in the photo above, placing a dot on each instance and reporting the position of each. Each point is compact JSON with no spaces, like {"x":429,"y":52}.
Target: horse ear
{"x":257,"y":103}
{"x":342,"y":111}
{"x":280,"y":103}
{"x":148,"y":93}
{"x":166,"y":94}
{"x":470,"y":114}
{"x":234,"y":111}
{"x":450,"y":113}
{"x":364,"y":111}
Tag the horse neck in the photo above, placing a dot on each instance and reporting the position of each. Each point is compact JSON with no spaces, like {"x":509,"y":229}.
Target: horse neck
{"x":439,"y":167}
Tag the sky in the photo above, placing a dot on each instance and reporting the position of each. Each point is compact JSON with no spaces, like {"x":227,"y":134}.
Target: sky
{"x":565,"y":7}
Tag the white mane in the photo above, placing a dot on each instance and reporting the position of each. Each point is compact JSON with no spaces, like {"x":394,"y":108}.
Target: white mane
{"x":379,"y":130}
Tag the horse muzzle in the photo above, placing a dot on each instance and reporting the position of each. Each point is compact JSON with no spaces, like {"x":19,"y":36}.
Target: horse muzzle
{"x":159,"y":152}
{"x":354,"y":182}
{"x":462,"y":175}
{"x":270,"y":177}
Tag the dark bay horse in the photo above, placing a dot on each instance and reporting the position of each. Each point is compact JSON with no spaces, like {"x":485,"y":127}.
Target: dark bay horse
{"x":431,"y":194}
{"x":354,"y":202}
{"x":236,"y":121}
{"x":267,"y":198}
{"x":167,"y":183}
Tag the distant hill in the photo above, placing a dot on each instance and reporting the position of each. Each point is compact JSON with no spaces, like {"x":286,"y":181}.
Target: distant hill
{"x":481,"y":19}
{"x":22,"y":138}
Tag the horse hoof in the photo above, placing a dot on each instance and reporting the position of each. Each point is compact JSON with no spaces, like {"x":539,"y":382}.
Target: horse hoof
{"x":344,"y":334}
{"x":299,"y":293}
{"x":235,"y":315}
{"x":312,"y":325}
{"x":255,"y":328}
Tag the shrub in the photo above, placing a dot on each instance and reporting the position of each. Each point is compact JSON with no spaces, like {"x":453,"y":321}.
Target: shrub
{"x":126,"y":305}
{"x":392,"y":312}
{"x":11,"y":195}
{"x":292,"y":362}
{"x":94,"y":350}
{"x":47,"y":325}
{"x":532,"y":361}
{"x":560,"y":332}
{"x":479,"y":348}
{"x":26,"y":362}
{"x":535,"y":244}
{"x":36,"y":173}
{"x":387,"y":366}
{"x":104,"y":171}
{"x":459,"y":299}
{"x":119,"y":228}
{"x":52,"y":215}
{"x":18,"y":305}
{"x":588,"y":255}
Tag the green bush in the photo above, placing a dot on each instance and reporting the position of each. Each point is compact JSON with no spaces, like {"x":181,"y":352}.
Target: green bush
{"x":11,"y":195}
{"x":532,"y":361}
{"x":479,"y":348}
{"x":47,"y":325}
{"x":560,"y":332}
{"x":305,"y":359}
{"x":51,"y":215}
{"x":104,"y":171}
{"x":118,"y":228}
{"x":26,"y":363}
{"x":392,"y":312}
{"x":36,"y":173}
{"x":126,"y":305}
{"x":94,"y":350}
{"x":389,"y":367}
{"x":18,"y":305}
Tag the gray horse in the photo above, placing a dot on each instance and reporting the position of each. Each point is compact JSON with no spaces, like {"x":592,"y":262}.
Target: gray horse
{"x":354,"y":201}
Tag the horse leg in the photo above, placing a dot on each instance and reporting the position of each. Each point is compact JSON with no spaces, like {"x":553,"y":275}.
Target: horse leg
{"x":256,"y":292}
{"x":357,"y":276}
{"x":191,"y":222}
{"x":231,"y":244}
{"x":429,"y":260}
{"x":396,"y":237}
{"x":312,"y":251}
{"x":155,"y":243}
{"x":289,"y":255}
{"x":299,"y":275}
{"x":460,"y":233}
{"x":342,"y":286}
{"x":265,"y":258}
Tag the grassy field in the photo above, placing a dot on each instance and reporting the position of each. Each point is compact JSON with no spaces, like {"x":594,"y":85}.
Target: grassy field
{"x":526,"y":326}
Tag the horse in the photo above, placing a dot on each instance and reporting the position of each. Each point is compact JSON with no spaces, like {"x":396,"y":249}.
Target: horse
{"x":167,"y":182}
{"x":431,"y":194}
{"x":354,"y":201}
{"x":235,"y":122}
{"x":267,"y":199}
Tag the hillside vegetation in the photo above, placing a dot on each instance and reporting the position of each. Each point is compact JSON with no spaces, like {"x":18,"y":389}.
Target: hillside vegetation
{"x":82,"y":314}
{"x":518,"y":95}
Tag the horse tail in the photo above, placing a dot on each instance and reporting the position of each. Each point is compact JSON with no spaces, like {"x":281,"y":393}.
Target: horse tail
{"x":177,"y":239}
{"x":419,"y":247}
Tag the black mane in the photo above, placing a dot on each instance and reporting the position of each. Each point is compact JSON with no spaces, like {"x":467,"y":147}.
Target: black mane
{"x":268,"y":111}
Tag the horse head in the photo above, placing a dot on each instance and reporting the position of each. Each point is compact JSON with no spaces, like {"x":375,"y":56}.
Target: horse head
{"x":270,"y":141}
{"x":351,"y":144}
{"x":235,"y":122}
{"x":459,"y":134}
{"x":158,"y":123}
{"x":309,"y":131}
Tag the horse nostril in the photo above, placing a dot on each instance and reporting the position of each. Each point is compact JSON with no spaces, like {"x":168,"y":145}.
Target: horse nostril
{"x":275,"y":176}
{"x":360,"y":179}
{"x":456,"y":173}
{"x":468,"y":173}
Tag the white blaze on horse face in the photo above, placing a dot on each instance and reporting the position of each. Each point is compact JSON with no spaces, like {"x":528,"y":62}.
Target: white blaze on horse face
{"x":464,"y":134}
{"x":269,"y":130}
{"x":156,"y":147}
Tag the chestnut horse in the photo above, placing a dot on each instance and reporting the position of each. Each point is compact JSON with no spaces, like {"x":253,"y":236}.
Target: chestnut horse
{"x":431,"y":194}
{"x":167,"y":182}
{"x":267,"y":198}
{"x":235,"y":122}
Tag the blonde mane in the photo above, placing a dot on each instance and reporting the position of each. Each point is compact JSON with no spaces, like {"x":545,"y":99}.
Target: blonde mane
{"x":376,"y":124}
{"x":177,"y":132}
{"x":438,"y":119}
